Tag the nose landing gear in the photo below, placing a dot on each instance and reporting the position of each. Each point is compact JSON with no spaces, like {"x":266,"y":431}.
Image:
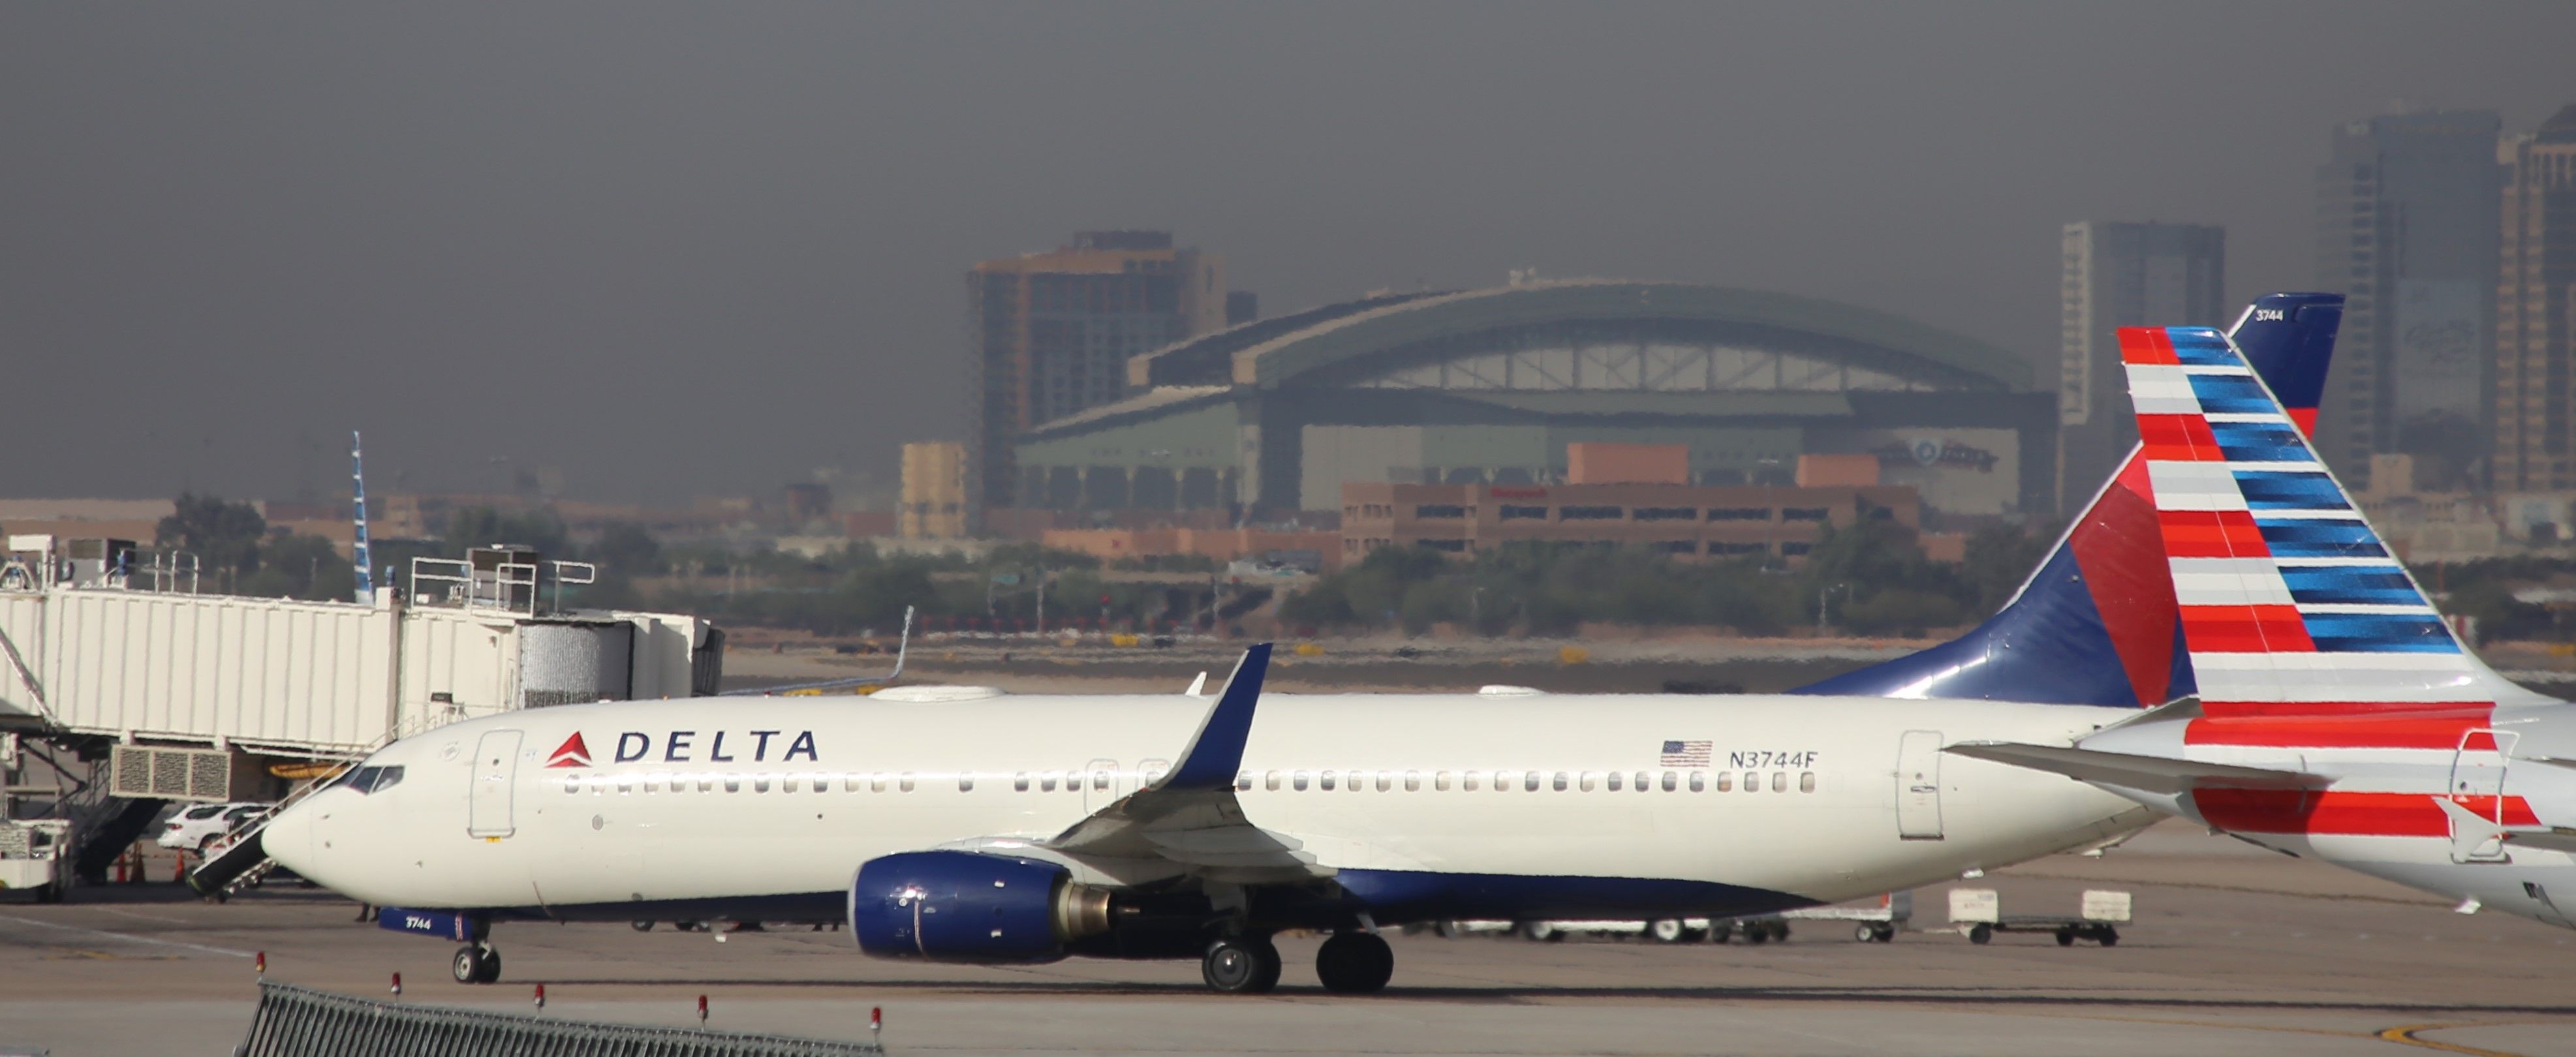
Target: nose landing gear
{"x":476,"y":963}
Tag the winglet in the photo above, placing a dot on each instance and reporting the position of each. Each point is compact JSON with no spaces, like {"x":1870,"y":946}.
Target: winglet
{"x":1217,"y":752}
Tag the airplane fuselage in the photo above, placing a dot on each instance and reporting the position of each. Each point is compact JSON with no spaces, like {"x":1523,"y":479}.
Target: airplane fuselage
{"x":1418,"y":807}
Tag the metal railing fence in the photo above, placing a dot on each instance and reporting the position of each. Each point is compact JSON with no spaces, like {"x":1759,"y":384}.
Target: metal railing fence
{"x":297,"y":1021}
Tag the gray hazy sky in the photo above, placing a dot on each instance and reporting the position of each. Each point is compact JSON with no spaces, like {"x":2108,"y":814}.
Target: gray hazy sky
{"x":680,"y":249}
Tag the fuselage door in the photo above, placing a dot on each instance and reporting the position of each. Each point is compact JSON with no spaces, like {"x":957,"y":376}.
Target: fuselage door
{"x":2477,"y":783}
{"x":1100,"y":784}
{"x":1918,"y":785}
{"x":496,"y":772}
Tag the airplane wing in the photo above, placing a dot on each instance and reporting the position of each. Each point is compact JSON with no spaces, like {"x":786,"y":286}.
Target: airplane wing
{"x":1189,"y":816}
{"x":2148,"y":773}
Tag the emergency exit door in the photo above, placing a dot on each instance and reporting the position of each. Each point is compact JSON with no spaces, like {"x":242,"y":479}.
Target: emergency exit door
{"x":496,"y":774}
{"x":1918,"y":785}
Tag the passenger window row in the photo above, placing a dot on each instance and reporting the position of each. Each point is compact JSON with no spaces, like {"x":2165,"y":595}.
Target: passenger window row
{"x":1527,"y":781}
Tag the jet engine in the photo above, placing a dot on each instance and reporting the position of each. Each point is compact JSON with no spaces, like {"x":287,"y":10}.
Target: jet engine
{"x":955,"y":906}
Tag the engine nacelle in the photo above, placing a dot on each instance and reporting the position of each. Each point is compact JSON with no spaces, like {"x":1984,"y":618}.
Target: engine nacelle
{"x":955,"y":906}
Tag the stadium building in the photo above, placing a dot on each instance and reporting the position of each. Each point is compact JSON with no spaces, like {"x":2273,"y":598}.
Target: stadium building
{"x":1491,"y":386}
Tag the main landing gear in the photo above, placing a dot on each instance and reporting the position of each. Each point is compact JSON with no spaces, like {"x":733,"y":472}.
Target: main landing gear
{"x":1350,"y":963}
{"x":476,"y":963}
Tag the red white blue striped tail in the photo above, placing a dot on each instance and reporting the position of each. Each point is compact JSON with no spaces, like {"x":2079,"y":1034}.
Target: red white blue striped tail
{"x":2290,"y":602}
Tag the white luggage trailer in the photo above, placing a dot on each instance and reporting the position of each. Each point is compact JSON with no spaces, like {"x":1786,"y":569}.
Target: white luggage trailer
{"x":1978,"y":914}
{"x":31,"y":857}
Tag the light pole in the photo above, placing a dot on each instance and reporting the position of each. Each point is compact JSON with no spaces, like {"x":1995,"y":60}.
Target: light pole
{"x":1821,"y":595}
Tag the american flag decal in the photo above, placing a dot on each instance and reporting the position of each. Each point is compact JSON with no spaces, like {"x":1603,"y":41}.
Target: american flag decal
{"x":1686,"y":753}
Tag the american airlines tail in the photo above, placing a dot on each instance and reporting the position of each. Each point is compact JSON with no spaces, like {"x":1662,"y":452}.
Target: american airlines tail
{"x":2096,"y":624}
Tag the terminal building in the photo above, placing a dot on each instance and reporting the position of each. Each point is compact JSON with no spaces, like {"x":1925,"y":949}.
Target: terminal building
{"x":1270,"y":419}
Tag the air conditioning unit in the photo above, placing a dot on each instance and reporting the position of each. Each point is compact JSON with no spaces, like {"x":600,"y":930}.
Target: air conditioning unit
{"x":210,"y":776}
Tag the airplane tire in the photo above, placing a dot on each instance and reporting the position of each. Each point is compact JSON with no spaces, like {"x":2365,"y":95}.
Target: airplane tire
{"x":467,"y":966}
{"x":641,"y":926}
{"x":2108,"y":937}
{"x":1865,"y":934}
{"x":1354,"y":963}
{"x":1667,"y":930}
{"x":2066,"y":937}
{"x":1240,"y":965}
{"x":1980,"y":934}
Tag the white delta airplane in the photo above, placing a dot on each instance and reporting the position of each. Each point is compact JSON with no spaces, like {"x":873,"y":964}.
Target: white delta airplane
{"x":2338,"y":717}
{"x":964,"y":825}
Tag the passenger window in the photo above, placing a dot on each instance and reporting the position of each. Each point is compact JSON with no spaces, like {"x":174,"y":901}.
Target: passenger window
{"x":1385,"y":781}
{"x":1698,"y":781}
{"x":1672,"y":781}
{"x":1529,"y":781}
{"x":1617,"y":781}
{"x":876,"y":782}
{"x":1752,"y":782}
{"x":1327,"y":783}
{"x":905,"y":781}
{"x":1779,"y":781}
{"x":1726,"y":781}
{"x":625,"y":784}
{"x":1806,"y":781}
{"x":760,"y":783}
{"x":1020,"y":782}
{"x":1299,"y":782}
{"x":572,"y":784}
{"x":1440,"y":782}
{"x":1589,"y":780}
{"x":1468,"y":782}
{"x":1270,"y":781}
{"x":965,"y":783}
{"x":787,"y":783}
{"x":1358,"y":779}
{"x":1243,"y":782}
{"x":1046,"y":784}
{"x":1413,"y":781}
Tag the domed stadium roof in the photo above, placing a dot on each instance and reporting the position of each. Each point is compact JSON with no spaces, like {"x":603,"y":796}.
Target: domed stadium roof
{"x":1346,"y":343}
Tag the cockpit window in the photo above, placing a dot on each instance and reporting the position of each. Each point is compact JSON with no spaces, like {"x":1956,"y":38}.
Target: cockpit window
{"x":374,"y":779}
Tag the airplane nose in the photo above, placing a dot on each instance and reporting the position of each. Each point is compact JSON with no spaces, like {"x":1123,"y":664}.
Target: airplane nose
{"x":288,"y":839}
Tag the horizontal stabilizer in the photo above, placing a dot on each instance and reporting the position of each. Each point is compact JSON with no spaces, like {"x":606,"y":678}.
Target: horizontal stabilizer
{"x":2153,"y":774}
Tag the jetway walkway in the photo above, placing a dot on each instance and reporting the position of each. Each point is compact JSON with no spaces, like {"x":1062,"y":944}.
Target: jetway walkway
{"x":301,"y":1022}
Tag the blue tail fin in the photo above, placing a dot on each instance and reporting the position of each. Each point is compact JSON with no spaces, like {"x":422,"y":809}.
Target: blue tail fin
{"x":2097,"y":624}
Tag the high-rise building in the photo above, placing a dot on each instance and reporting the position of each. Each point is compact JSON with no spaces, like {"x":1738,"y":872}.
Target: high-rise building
{"x":933,"y":503}
{"x":2406,"y":226}
{"x":2113,"y":275}
{"x":2535,"y":365}
{"x":1052,"y":333}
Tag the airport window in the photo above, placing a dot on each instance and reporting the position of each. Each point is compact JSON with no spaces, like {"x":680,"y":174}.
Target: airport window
{"x":1794,"y":548}
{"x":1440,"y":782}
{"x":1736,"y":548}
{"x":965,"y":783}
{"x":1457,"y":546}
{"x":1726,"y":781}
{"x":1469,"y":780}
{"x":1270,"y":781}
{"x":1511,"y":512}
{"x":1589,"y":781}
{"x":1779,"y":781}
{"x":760,"y":783}
{"x":1739,"y":513}
{"x":1413,"y":781}
{"x":1698,"y":782}
{"x":1020,"y":782}
{"x":1588,"y":513}
{"x":733,"y":783}
{"x":1672,"y":781}
{"x":1674,"y":547}
{"x":904,"y":781}
{"x":1806,"y":781}
{"x":1439,"y":510}
{"x":1298,"y":782}
{"x":1752,"y":782}
{"x":1804,"y":513}
{"x":1327,"y":783}
{"x":1666,"y":513}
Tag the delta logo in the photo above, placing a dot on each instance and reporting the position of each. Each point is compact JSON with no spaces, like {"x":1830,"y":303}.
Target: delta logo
{"x":680,"y":746}
{"x":574,"y":752}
